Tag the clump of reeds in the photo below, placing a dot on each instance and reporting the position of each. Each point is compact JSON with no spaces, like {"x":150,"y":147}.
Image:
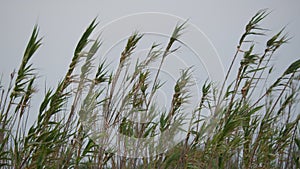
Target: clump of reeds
{"x":252,"y":124}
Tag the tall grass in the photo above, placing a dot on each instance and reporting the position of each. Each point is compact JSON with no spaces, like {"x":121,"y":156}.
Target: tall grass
{"x":252,"y":124}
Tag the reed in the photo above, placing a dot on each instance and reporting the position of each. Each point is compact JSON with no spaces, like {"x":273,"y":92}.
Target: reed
{"x":250,"y":126}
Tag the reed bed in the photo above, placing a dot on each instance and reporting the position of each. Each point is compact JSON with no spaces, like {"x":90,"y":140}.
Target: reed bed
{"x":254,"y":120}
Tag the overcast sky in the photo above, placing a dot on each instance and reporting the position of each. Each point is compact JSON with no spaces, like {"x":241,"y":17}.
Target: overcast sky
{"x":62,"y":23}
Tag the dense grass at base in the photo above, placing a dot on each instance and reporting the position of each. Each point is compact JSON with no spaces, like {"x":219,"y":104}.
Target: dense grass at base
{"x":245,"y":130}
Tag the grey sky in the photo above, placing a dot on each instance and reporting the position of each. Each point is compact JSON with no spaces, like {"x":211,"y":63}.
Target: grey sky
{"x":63,"y":22}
